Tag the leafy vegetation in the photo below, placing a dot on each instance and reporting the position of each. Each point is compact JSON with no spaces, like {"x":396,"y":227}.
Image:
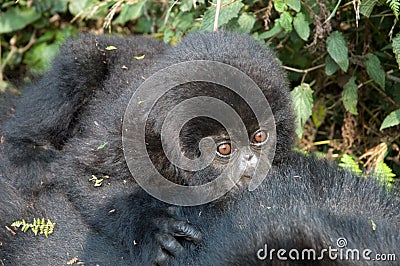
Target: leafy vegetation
{"x":343,"y":57}
{"x":38,"y":227}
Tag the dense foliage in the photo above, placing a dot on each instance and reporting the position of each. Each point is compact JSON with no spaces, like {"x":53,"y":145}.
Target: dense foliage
{"x":343,"y":58}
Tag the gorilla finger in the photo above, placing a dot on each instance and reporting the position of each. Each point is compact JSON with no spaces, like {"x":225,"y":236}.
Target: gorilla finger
{"x":170,"y":244}
{"x":181,"y":228}
{"x":161,"y":258}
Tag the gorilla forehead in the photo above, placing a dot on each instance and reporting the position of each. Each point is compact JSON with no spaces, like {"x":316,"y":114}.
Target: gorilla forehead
{"x":191,"y":90}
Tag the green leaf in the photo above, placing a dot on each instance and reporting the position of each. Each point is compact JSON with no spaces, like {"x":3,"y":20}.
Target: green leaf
{"x":130,"y":12}
{"x":76,"y":7}
{"x":285,"y":21}
{"x":350,"y":96}
{"x":319,"y":114}
{"x":348,"y":163}
{"x":246,"y":22}
{"x":375,"y":70}
{"x":337,"y":49}
{"x":294,"y":4}
{"x":143,"y":25}
{"x":303,"y":103}
{"x":17,"y":18}
{"x":54,"y":6}
{"x":183,"y":22}
{"x":367,"y":6}
{"x":280,"y":6}
{"x":330,"y":66}
{"x":396,"y":48}
{"x":40,"y":57}
{"x":111,"y":47}
{"x":393,"y":119}
{"x":168,"y":34}
{"x":227,"y":13}
{"x":186,"y":5}
{"x":301,"y":26}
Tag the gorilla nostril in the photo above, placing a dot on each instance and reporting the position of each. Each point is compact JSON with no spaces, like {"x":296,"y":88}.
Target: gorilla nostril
{"x":248,"y":156}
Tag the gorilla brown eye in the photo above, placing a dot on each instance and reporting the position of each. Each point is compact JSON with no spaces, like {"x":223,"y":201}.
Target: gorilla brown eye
{"x":224,"y":149}
{"x":260,"y":137}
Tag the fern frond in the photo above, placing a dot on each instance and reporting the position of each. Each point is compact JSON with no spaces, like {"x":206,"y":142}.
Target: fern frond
{"x":395,"y":6}
{"x":38,"y":227}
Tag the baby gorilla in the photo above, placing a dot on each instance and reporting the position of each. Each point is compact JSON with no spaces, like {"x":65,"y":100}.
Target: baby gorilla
{"x":66,"y":130}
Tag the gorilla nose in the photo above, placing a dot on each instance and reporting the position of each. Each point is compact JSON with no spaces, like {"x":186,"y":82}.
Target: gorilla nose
{"x":248,"y":156}
{"x":249,"y":162}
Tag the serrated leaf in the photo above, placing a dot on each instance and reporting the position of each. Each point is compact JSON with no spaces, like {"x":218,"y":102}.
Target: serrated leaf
{"x":294,"y":4}
{"x":367,"y":6}
{"x":303,"y":104}
{"x":130,"y":12}
{"x":375,"y":70}
{"x":393,"y":119}
{"x":330,"y":66}
{"x":396,"y":48}
{"x":246,"y":22}
{"x":285,"y":20}
{"x":111,"y":47}
{"x":301,"y":26}
{"x":350,"y":96}
{"x":17,"y":18}
{"x":337,"y":49}
{"x":227,"y":13}
{"x":280,"y":6}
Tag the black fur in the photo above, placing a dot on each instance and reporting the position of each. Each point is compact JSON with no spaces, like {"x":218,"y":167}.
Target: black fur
{"x":305,"y":203}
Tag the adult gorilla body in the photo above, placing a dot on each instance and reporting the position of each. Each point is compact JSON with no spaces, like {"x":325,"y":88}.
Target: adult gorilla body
{"x":304,"y":203}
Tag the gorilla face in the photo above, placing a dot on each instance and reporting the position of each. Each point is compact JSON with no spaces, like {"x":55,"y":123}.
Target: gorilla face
{"x":207,"y":141}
